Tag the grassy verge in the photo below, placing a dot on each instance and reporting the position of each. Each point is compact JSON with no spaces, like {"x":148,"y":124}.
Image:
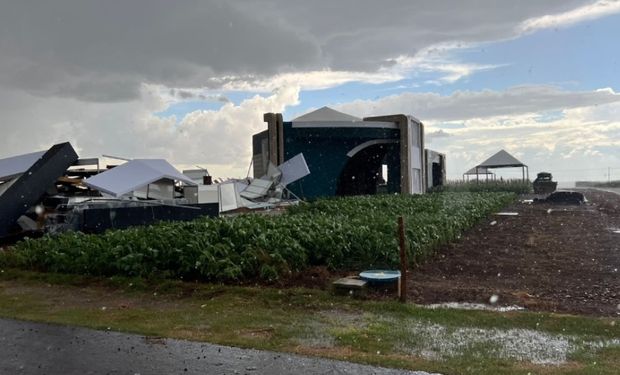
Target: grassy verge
{"x":315,"y":323}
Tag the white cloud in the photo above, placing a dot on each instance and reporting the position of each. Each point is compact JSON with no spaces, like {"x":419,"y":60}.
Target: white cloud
{"x":587,"y":12}
{"x":575,"y":147}
{"x":438,"y":60}
{"x":312,"y":80}
{"x":220,"y":139}
{"x":462,"y":105}
{"x":579,"y":142}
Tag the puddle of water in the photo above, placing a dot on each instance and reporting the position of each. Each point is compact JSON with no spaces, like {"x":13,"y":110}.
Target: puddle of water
{"x":472,"y":306}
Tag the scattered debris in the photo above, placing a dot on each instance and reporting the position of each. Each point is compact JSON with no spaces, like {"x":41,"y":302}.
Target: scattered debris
{"x":27,"y":179}
{"x":265,"y":193}
{"x":507,"y":214}
{"x":350,"y":286}
{"x":51,"y":191}
{"x":563,"y":197}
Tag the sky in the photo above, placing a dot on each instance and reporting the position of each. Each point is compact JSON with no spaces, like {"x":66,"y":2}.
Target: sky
{"x":189,"y":81}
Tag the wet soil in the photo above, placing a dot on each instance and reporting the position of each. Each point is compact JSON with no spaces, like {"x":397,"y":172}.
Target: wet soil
{"x":560,"y":258}
{"x":549,"y":257}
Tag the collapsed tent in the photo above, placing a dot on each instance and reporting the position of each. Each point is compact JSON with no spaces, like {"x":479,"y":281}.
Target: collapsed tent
{"x":135,"y":175}
{"x":153,"y":180}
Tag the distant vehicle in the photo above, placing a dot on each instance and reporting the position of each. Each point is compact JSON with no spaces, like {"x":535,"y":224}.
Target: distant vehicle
{"x":543,"y":183}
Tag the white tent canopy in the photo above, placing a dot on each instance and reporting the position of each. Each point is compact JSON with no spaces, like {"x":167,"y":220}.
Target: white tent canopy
{"x":134,"y":175}
{"x":16,"y":165}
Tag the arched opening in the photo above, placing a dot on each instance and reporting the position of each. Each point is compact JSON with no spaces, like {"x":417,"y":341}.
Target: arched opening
{"x":367,"y":169}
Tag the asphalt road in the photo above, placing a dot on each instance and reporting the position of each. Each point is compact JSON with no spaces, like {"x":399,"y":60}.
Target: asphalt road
{"x":36,"y":348}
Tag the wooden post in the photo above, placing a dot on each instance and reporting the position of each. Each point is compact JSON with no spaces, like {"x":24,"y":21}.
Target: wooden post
{"x":403,"y":261}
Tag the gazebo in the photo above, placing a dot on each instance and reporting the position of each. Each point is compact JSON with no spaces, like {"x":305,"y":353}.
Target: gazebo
{"x":481,"y":171}
{"x":502,"y":159}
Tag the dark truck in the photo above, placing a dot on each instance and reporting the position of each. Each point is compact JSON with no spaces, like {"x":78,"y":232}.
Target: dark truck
{"x":543,"y":183}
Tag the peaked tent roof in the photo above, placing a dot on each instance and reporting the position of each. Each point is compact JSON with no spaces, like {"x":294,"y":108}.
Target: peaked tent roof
{"x":326,"y":114}
{"x":501,"y":159}
{"x":133,"y":175}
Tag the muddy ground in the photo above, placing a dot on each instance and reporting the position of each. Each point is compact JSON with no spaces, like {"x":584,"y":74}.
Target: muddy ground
{"x":556,"y":258}
{"x":549,"y":258}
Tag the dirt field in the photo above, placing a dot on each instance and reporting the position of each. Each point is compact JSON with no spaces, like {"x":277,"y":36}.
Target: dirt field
{"x":550,"y":257}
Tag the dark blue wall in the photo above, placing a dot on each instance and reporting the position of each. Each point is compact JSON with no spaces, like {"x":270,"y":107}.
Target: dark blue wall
{"x":325,"y":151}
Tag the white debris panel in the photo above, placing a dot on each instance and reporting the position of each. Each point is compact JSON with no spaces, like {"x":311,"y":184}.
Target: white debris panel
{"x":134,"y":175}
{"x":16,"y":165}
{"x":293,"y":169}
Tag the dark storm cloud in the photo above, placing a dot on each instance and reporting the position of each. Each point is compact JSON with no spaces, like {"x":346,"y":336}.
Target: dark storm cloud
{"x":365,"y":34}
{"x":103,"y":50}
{"x":61,"y":47}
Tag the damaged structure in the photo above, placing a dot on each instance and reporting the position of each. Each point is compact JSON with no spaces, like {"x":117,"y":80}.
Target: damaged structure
{"x":51,"y":191}
{"x":26,"y":179}
{"x":349,"y":155}
{"x":322,"y":153}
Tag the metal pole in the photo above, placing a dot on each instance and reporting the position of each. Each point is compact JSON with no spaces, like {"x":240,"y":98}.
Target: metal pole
{"x":403,"y":261}
{"x":249,"y":168}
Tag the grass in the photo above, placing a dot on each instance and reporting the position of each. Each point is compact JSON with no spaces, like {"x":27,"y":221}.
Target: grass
{"x":484,"y":186}
{"x":314,"y":322}
{"x":340,"y":233}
